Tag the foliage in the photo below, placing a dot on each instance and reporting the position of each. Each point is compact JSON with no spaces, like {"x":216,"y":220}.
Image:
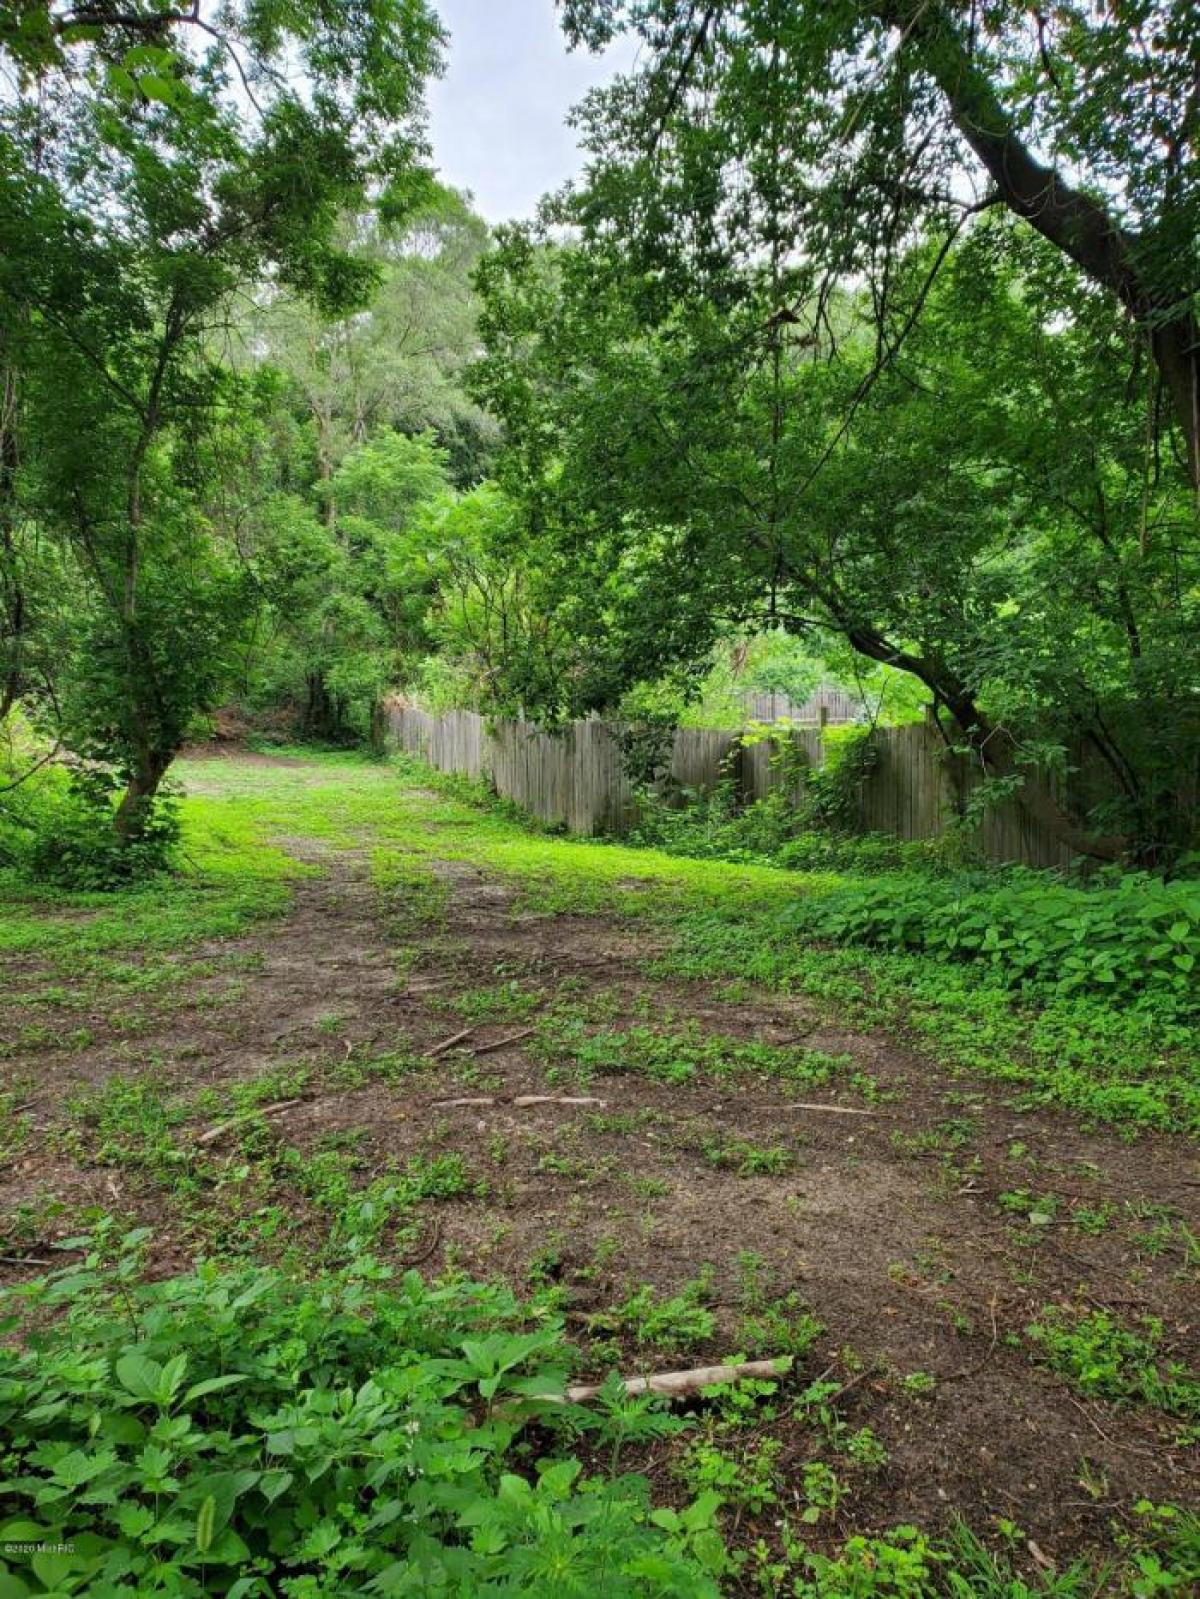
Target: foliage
{"x":240,"y":1433}
{"x":1136,"y":939}
{"x":711,"y":919}
{"x":832,"y":789}
{"x":56,"y":823}
{"x":1110,"y":1361}
{"x":397,"y":365}
{"x":346,"y":583}
{"x":726,"y":396}
{"x":153,"y":165}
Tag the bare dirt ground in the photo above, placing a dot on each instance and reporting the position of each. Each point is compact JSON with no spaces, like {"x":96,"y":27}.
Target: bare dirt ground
{"x":888,"y":1225}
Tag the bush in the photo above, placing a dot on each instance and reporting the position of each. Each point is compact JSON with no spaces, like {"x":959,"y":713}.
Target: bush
{"x":1133,"y":940}
{"x":57,"y":828}
{"x":711,"y":826}
{"x":238,"y":1433}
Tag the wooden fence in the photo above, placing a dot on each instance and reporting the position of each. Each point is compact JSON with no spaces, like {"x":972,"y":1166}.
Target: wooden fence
{"x":578,"y":777}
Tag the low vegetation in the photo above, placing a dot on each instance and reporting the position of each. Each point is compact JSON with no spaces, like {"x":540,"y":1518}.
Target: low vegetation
{"x":169,"y":1425}
{"x":363,"y":1145}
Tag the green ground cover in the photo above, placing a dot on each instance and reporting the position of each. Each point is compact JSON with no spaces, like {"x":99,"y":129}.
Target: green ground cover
{"x":182,"y":1434}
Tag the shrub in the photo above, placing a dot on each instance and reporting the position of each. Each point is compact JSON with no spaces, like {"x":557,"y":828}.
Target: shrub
{"x":57,"y":828}
{"x":238,"y":1433}
{"x":1136,"y":939}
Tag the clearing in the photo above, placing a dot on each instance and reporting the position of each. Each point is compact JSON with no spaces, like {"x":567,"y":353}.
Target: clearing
{"x":319,"y":1043}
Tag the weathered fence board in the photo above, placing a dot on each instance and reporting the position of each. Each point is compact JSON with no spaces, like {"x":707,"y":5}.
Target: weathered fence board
{"x":577,"y":777}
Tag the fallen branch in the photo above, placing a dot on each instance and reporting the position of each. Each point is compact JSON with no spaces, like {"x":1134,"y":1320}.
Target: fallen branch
{"x":679,"y":1384}
{"x":427,"y":1248}
{"x":213,"y":1133}
{"x":448,"y":1043}
{"x":523,"y":1101}
{"x":829,"y":1110}
{"x":503,"y":1043}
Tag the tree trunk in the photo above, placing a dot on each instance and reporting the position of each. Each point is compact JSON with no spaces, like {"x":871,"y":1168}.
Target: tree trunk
{"x":144,"y":781}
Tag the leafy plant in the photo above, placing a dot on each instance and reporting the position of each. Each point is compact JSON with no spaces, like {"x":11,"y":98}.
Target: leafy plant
{"x":1101,"y":1357}
{"x":1137,"y":939}
{"x":242,"y":1433}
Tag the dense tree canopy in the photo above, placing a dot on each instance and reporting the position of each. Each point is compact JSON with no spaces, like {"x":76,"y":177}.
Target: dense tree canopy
{"x":842,"y":128}
{"x":153,"y":164}
{"x":787,"y":366}
{"x":871,"y":327}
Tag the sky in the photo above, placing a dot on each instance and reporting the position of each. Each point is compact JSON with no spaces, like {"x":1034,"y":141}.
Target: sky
{"x":498,"y":116}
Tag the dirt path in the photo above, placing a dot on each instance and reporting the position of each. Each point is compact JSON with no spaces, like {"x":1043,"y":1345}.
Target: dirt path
{"x":888,"y":1226}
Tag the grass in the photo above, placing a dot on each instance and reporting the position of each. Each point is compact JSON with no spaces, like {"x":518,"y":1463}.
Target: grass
{"x":793,"y":1461}
{"x":1125,"y":1066}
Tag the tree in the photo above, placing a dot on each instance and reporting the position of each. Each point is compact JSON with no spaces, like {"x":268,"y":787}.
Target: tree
{"x":846,"y":125}
{"x":346,"y":595}
{"x":994,"y":527}
{"x":154,"y":163}
{"x":400,"y":362}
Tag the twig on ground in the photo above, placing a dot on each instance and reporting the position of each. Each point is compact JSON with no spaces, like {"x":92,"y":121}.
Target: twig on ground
{"x":830,"y":1110}
{"x":448,"y":1043}
{"x":213,"y":1133}
{"x":523,"y":1101}
{"x":973,"y":1371}
{"x":503,"y":1043}
{"x":1129,"y":1449}
{"x":867,"y":1371}
{"x":427,"y":1249}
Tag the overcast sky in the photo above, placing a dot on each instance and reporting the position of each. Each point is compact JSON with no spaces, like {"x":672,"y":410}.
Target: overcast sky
{"x":498,"y":117}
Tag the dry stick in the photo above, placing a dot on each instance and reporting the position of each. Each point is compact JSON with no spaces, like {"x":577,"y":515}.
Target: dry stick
{"x":1128,"y":1449}
{"x":23,"y":1260}
{"x":523,"y":1101}
{"x":678,"y":1384}
{"x":829,"y":1110}
{"x":213,"y":1133}
{"x":503,"y":1043}
{"x":973,"y":1371}
{"x":448,"y":1043}
{"x":867,"y":1371}
{"x":427,"y":1249}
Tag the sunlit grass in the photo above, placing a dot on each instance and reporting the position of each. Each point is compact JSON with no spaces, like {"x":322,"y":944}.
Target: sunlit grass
{"x":252,"y":829}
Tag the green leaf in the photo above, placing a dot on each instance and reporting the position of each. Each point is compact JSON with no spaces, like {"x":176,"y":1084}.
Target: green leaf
{"x":164,"y":90}
{"x":213,"y":1385}
{"x":139,"y":1375}
{"x":205,"y":1520}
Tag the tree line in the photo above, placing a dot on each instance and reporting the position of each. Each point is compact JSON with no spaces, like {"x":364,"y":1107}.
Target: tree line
{"x":869,"y":325}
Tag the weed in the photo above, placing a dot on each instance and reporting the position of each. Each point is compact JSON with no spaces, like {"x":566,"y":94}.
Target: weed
{"x":677,"y":1322}
{"x":1101,"y":1357}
